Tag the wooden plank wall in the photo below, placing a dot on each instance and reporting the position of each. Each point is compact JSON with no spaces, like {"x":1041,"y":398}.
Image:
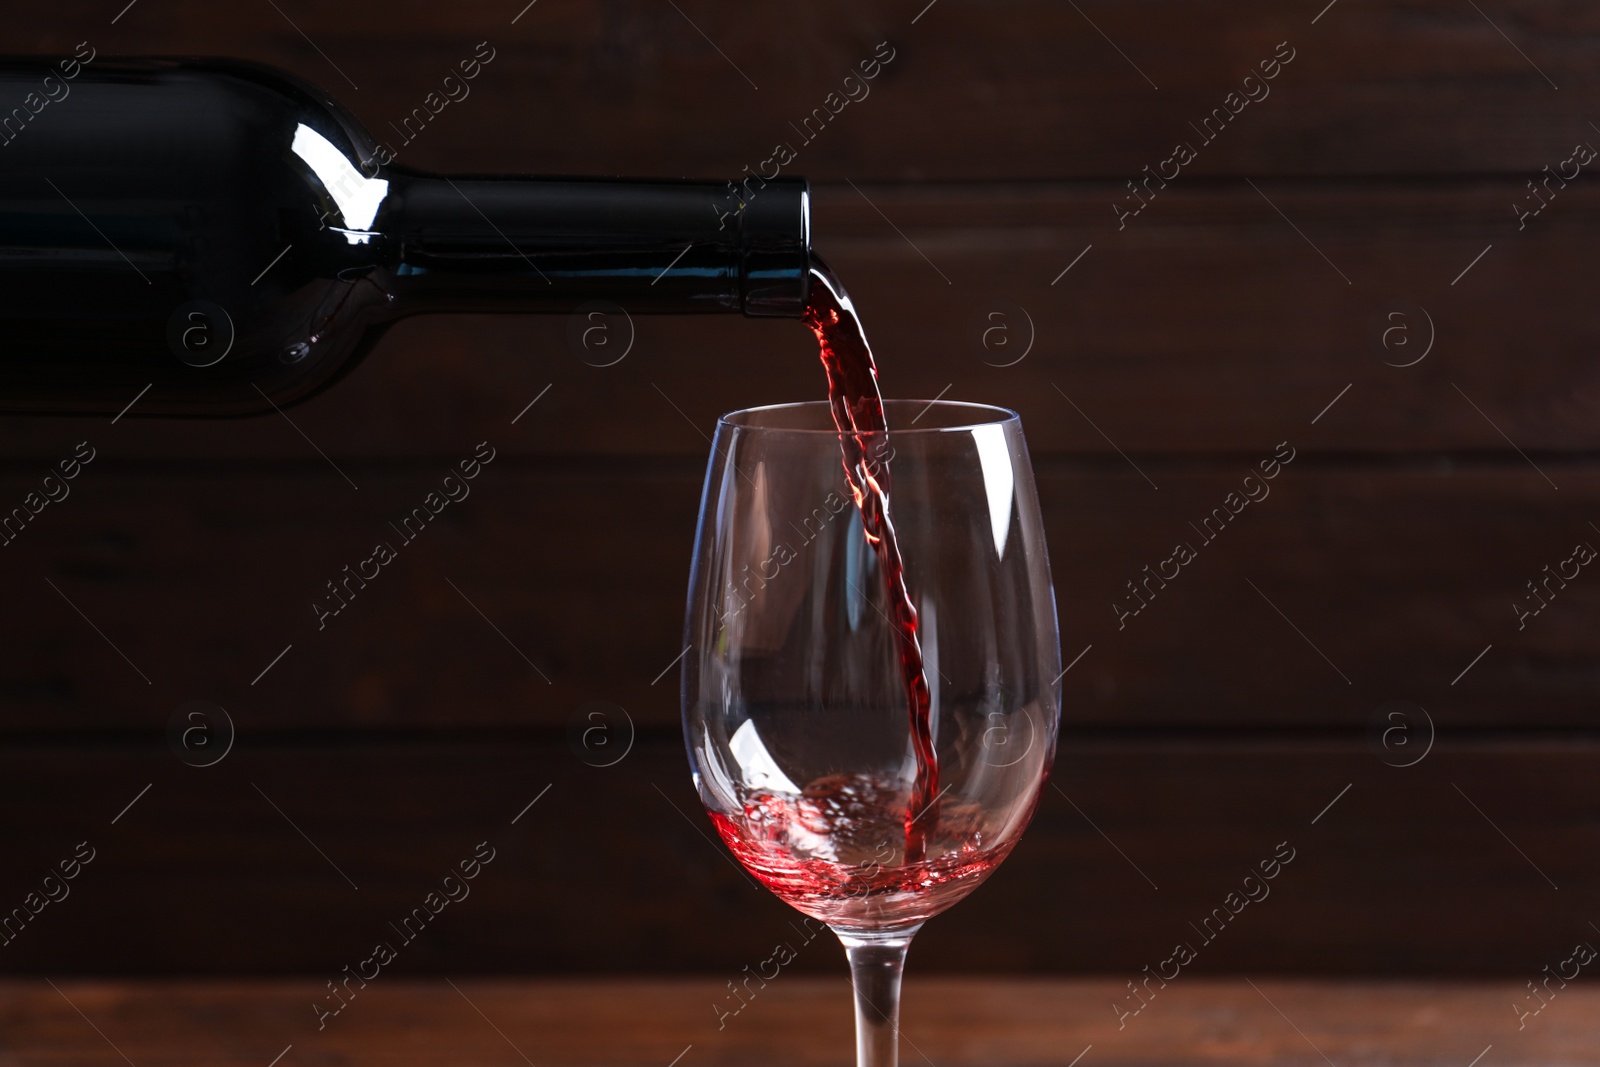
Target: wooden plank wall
{"x":1251,"y":301}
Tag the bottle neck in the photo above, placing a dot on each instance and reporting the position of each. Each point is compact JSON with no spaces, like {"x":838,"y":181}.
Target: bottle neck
{"x":555,"y":244}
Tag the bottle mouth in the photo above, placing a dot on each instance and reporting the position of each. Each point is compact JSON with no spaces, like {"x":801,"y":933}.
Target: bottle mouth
{"x":775,"y":246}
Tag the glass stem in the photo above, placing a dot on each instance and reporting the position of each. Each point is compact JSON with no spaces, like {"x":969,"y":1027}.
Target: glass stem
{"x":876,"y":963}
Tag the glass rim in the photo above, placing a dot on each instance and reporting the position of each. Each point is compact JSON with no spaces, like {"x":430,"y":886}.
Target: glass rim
{"x":996,"y":416}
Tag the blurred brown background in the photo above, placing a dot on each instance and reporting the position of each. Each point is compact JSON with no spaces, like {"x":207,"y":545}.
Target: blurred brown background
{"x":1377,"y":178}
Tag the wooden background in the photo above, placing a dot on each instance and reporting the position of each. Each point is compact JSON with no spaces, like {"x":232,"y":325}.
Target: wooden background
{"x":1249,"y":295}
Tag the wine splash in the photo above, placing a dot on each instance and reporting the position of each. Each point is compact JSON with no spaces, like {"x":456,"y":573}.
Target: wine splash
{"x":826,"y":851}
{"x":857,"y":408}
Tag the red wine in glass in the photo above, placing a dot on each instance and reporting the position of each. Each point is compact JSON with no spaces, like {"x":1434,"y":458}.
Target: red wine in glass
{"x":872,"y":696}
{"x":824,"y":852}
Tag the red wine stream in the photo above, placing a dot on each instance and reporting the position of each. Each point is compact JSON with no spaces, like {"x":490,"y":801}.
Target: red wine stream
{"x":857,"y":409}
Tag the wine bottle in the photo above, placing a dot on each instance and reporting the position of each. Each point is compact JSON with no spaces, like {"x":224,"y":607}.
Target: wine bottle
{"x":219,"y":238}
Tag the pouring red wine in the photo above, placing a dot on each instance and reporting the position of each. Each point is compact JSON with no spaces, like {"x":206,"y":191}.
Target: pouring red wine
{"x":842,"y":805}
{"x":871,"y":715}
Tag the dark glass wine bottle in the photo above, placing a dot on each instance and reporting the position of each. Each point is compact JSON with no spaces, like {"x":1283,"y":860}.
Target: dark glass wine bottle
{"x":229,"y":237}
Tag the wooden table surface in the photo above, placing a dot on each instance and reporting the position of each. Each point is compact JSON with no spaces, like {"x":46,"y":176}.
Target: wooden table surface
{"x":657,"y":1023}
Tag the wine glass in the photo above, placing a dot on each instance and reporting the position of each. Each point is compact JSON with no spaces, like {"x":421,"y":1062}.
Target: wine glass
{"x":802,"y":737}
